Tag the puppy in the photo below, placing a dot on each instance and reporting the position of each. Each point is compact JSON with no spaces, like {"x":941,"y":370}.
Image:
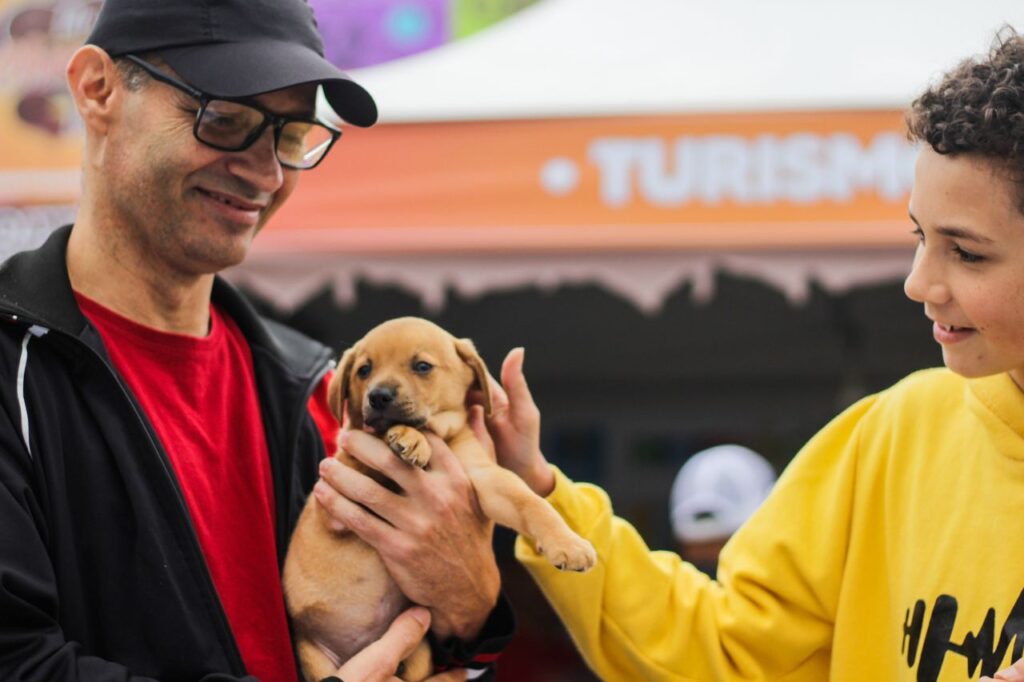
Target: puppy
{"x":404,"y":376}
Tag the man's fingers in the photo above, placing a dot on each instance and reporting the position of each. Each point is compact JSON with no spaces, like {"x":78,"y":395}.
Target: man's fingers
{"x":441,"y":456}
{"x":380,"y":660}
{"x":346,"y":515}
{"x":346,"y":485}
{"x":375,"y":453}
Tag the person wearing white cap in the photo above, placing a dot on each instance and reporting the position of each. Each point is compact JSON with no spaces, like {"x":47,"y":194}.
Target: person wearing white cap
{"x":715,"y":491}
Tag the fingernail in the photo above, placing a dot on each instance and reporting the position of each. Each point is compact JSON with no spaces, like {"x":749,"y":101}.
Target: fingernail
{"x":1011,"y":674}
{"x":421,"y":615}
{"x":327,"y":465}
{"x":343,"y":437}
{"x":320,"y":489}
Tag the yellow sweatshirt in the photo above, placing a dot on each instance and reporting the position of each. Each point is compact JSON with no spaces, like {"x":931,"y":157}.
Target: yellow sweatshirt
{"x":892,"y":548}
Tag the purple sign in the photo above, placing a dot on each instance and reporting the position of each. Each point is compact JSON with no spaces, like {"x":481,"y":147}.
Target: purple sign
{"x":365,"y":32}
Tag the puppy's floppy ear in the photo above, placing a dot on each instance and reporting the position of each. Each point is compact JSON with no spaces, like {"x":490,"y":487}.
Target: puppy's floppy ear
{"x":467,"y":351}
{"x":337,"y":390}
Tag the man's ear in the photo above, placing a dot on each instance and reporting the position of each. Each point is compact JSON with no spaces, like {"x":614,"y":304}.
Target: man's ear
{"x":96,"y":87}
{"x":467,"y":351}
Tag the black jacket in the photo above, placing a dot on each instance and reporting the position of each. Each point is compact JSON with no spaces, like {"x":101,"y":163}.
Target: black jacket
{"x":101,"y":575}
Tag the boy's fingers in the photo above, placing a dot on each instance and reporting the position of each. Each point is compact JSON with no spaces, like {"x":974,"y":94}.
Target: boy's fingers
{"x":478,"y":423}
{"x":514,"y":380}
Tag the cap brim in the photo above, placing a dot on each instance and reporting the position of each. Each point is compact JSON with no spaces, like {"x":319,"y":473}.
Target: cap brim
{"x":255,"y":68}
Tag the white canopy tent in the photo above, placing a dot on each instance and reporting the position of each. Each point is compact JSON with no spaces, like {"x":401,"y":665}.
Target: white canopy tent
{"x":602,"y":58}
{"x":610,"y":57}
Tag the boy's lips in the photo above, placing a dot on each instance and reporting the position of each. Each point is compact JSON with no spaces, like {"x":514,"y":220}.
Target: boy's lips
{"x":947,"y":333}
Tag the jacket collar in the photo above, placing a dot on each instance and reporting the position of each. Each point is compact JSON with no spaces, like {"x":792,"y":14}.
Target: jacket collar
{"x":34,"y":287}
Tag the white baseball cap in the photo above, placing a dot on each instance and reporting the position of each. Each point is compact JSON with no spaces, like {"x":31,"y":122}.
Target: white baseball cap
{"x":716,"y":490}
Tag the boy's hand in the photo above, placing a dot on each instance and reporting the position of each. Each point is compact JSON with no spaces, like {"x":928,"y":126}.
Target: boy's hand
{"x":514,"y":426}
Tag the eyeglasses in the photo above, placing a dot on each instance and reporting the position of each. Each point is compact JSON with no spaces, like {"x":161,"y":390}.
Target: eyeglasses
{"x":231,"y":125}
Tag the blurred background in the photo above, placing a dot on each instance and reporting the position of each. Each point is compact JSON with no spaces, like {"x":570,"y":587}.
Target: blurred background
{"x":692,"y":215}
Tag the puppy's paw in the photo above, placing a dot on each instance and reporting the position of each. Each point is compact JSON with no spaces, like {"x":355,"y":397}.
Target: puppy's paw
{"x":568,"y":552}
{"x":409,"y":444}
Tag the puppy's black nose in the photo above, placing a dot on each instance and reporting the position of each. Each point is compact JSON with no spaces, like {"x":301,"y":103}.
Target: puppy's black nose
{"x":381,"y":397}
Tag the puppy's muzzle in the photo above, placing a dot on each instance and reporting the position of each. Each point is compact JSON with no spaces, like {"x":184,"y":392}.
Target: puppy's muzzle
{"x":381,"y":398}
{"x":384,"y":409}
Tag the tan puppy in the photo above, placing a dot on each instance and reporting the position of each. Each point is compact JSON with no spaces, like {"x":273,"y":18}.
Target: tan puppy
{"x":405,"y":375}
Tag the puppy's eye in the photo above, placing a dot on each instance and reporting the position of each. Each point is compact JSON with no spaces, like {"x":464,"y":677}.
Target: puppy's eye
{"x":364,"y":371}
{"x":422,"y":367}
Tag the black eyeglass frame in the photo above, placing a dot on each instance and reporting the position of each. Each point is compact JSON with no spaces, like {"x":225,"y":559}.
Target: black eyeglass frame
{"x":269,"y":117}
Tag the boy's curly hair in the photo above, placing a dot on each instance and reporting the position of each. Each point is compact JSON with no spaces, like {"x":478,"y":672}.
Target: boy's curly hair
{"x":978,"y":108}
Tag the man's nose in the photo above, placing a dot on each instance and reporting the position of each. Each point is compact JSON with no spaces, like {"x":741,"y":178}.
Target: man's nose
{"x":258,"y":164}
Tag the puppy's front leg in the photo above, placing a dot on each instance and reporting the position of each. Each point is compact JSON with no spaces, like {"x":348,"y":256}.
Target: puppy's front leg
{"x":409,"y":444}
{"x":508,"y":501}
{"x":315,"y":663}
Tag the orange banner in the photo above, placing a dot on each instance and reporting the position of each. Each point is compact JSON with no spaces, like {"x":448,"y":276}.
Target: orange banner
{"x":748,"y":180}
{"x":753,"y":180}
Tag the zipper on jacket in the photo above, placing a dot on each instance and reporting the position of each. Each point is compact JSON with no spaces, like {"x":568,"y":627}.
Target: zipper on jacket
{"x":292,"y":440}
{"x":233,"y":653}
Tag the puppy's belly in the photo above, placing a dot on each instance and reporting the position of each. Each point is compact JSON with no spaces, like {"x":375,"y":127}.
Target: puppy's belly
{"x":365,"y":602}
{"x":338,"y":591}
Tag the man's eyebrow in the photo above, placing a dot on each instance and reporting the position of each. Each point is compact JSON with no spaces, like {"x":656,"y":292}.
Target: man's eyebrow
{"x":300,"y":112}
{"x":957,"y":233}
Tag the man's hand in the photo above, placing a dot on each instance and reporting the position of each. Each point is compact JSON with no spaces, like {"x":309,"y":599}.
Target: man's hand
{"x":514,"y":426}
{"x":432,"y":536}
{"x":379,"y":661}
{"x":1015,"y":673}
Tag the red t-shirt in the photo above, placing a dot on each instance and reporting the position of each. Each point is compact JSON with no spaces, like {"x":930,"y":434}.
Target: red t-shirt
{"x":200,"y":395}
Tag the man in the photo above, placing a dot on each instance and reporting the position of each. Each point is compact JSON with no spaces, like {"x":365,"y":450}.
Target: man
{"x":155,"y":441}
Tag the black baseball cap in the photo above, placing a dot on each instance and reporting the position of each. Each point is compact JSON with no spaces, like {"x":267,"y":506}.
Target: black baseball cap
{"x":233,"y":48}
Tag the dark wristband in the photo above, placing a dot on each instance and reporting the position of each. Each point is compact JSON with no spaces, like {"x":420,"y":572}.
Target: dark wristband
{"x":484,"y":651}
{"x":332,"y":678}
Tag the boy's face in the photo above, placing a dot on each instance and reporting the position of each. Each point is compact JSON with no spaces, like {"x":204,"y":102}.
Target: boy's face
{"x":969,"y":266}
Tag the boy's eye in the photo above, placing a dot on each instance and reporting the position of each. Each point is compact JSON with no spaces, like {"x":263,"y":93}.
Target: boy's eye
{"x":422,"y":367}
{"x":364,"y":371}
{"x":967,"y":256}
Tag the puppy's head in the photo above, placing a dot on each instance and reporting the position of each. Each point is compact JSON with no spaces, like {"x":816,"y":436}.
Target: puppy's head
{"x":404,"y":371}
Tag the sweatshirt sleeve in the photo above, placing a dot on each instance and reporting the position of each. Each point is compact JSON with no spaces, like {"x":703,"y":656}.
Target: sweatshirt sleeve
{"x":642,"y":614}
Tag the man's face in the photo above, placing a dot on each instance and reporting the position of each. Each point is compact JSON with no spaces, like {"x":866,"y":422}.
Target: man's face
{"x":969,"y":266}
{"x":184,"y":205}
